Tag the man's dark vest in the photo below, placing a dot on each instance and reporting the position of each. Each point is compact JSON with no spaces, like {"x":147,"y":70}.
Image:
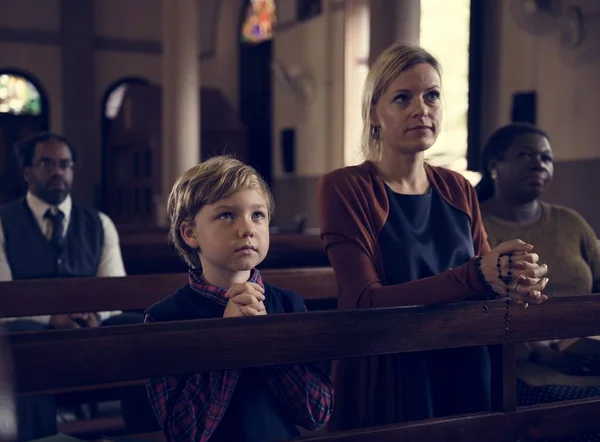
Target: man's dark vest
{"x":30,"y":255}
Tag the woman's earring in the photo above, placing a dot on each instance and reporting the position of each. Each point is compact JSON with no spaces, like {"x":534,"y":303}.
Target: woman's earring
{"x":375,"y":132}
{"x":494,"y":174}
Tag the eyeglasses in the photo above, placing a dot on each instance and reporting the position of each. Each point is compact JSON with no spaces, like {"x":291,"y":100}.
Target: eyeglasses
{"x":50,"y":165}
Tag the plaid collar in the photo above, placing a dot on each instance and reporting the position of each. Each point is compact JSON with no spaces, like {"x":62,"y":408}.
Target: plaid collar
{"x":216,"y":294}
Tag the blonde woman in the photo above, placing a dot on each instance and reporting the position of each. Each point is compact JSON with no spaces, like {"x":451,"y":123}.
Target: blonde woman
{"x":401,"y":232}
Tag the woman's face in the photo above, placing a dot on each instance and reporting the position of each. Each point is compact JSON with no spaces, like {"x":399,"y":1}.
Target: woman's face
{"x":409,"y":113}
{"x":525,"y":170}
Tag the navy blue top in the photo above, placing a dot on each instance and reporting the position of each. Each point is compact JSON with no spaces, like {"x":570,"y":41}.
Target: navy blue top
{"x":253,"y":414}
{"x":424,"y":236}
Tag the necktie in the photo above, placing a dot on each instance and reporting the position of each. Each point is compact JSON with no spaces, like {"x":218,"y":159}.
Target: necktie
{"x":57,"y":227}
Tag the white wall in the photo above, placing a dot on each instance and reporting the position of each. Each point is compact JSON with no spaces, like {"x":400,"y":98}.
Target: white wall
{"x":140,"y":19}
{"x":128,"y":19}
{"x":568,"y":96}
{"x":218,"y":68}
{"x":30,"y":14}
{"x":221,"y":69}
{"x":314,"y":47}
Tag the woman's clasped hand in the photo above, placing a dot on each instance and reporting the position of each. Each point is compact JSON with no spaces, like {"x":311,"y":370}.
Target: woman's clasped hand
{"x":513,"y":269}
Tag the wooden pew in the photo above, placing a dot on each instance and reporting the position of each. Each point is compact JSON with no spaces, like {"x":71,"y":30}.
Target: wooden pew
{"x":73,"y":295}
{"x":145,"y":251}
{"x":142,"y":351}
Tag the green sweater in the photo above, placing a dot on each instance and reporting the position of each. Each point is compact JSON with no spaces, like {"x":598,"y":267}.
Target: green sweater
{"x":564,"y":241}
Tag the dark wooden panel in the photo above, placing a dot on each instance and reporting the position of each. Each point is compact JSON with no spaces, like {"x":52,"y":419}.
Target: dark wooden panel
{"x":112,"y":354}
{"x":504,"y":377}
{"x":562,"y":419}
{"x":134,"y":235}
{"x":72,"y":295}
{"x":145,"y":250}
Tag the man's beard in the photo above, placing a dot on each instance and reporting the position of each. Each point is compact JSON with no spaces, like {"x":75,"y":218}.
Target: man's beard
{"x":53,"y":197}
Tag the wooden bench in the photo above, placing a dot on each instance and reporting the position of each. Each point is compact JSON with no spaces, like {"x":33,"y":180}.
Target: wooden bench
{"x":146,"y":251}
{"x":73,"y":295}
{"x":123,"y":354}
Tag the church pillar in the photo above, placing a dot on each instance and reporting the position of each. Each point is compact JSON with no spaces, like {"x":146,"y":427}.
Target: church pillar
{"x":393,"y":20}
{"x":180,"y":95}
{"x":80,"y":118}
{"x":408,"y":21}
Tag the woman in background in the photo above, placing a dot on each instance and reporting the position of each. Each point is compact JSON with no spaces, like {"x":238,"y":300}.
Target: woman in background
{"x":517,"y":167}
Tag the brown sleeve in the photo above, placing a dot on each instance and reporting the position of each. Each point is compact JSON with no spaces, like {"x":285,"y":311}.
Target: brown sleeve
{"x":344,"y":230}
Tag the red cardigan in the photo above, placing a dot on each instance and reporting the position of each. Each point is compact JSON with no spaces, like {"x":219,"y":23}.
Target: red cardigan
{"x":353,"y":208}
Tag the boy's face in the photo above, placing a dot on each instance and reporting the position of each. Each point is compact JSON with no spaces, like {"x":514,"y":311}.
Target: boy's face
{"x":232,"y":234}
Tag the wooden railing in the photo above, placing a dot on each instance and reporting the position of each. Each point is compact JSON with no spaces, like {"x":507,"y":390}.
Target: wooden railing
{"x":146,"y":251}
{"x":73,"y":295}
{"x":76,"y":359}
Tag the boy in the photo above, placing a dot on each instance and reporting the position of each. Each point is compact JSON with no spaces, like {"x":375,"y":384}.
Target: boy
{"x":219,"y":212}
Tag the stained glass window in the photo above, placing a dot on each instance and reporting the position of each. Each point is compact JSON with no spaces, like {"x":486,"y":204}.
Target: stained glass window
{"x":19,"y":96}
{"x":259,"y":21}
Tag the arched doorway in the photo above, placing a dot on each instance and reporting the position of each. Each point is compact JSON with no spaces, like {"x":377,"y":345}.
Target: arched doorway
{"x":255,"y":37}
{"x":24,"y":111}
{"x":112,"y":101}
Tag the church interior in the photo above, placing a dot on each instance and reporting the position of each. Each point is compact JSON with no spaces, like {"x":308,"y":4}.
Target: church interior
{"x":144,"y":90}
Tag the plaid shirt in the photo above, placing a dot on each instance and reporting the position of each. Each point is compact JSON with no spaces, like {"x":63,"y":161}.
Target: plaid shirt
{"x":189,"y":408}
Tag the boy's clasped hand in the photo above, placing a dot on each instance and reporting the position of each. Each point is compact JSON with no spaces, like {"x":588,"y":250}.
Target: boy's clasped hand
{"x":245,"y":299}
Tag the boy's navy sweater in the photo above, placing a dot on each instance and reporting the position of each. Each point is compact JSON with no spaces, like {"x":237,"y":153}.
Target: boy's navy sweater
{"x":253,"y":414}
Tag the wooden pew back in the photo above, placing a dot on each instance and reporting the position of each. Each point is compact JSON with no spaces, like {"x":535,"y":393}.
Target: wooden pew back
{"x":146,"y":251}
{"x":142,"y":351}
{"x":73,"y":295}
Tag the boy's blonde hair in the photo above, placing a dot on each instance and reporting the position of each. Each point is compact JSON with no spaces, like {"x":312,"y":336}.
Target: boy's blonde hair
{"x":206,"y":183}
{"x":396,"y":59}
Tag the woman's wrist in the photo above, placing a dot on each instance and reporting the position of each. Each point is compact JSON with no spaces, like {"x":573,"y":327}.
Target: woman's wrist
{"x":482,"y":276}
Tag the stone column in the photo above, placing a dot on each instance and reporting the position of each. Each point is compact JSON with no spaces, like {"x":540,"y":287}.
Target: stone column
{"x":180,"y":94}
{"x":393,"y":20}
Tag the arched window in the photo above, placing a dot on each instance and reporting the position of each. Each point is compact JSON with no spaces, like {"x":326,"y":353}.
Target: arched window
{"x":114,"y":95}
{"x":111,"y":106}
{"x":114,"y":101}
{"x":259,"y":21}
{"x":24,"y":111}
{"x":18,"y":96}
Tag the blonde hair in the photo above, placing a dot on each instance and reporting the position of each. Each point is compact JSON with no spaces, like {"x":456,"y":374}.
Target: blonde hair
{"x":396,"y":59}
{"x":206,"y":183}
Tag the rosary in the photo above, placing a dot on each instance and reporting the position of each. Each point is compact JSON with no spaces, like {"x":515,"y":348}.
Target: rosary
{"x":506,"y":280}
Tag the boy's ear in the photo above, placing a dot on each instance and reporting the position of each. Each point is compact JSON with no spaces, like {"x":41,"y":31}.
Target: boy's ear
{"x":186,"y":229}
